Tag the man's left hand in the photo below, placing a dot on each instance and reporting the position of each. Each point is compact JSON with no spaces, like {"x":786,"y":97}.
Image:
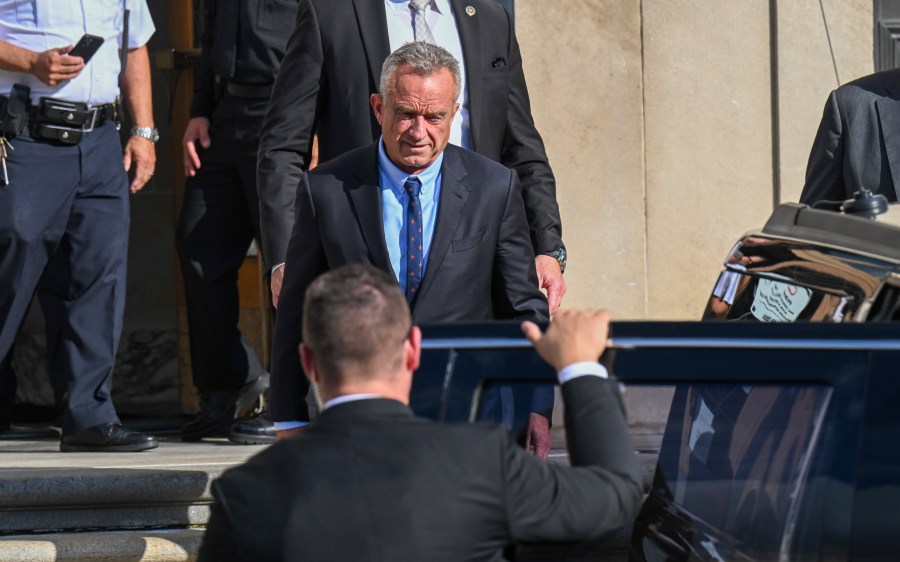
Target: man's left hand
{"x":550,"y":277}
{"x":537,"y":436}
{"x":140,"y":154}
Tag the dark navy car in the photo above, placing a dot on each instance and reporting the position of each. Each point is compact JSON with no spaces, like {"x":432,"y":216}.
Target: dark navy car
{"x":783,"y":437}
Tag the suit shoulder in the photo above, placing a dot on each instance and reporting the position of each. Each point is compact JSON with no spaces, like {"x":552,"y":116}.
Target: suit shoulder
{"x":348,"y":162}
{"x":873,"y":85}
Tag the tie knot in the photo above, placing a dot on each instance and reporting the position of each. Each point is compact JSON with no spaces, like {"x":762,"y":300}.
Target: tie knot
{"x":419,"y":5}
{"x":412,"y":186}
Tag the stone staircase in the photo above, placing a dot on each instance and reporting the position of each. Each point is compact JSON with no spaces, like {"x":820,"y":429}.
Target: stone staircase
{"x":150,"y":506}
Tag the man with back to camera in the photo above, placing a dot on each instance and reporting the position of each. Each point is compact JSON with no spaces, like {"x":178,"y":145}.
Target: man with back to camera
{"x":856,"y":145}
{"x":243,"y":43}
{"x":332,"y":66}
{"x":64,"y":207}
{"x":449,"y":224}
{"x":382,"y":484}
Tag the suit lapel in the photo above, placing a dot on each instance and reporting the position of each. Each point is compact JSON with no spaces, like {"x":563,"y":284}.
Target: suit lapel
{"x":452,"y":202}
{"x":370,"y":19}
{"x":470,"y":38}
{"x":889,"y":115}
{"x":365,"y":198}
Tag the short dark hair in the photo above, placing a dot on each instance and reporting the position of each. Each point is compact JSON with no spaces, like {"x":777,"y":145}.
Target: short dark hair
{"x":354,"y":317}
{"x":424,"y":59}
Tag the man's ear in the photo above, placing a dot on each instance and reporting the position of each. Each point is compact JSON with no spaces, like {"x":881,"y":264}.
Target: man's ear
{"x":377,"y":103}
{"x":412,"y":348}
{"x":308,"y":360}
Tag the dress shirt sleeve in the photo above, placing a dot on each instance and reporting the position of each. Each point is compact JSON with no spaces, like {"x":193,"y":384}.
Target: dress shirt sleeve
{"x":140,"y":23}
{"x":575,"y":370}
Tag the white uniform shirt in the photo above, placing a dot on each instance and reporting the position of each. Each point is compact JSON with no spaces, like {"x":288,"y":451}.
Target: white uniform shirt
{"x":39,"y":25}
{"x":443,"y":27}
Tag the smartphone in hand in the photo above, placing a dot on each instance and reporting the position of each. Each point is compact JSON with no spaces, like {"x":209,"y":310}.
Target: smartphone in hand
{"x":86,"y":47}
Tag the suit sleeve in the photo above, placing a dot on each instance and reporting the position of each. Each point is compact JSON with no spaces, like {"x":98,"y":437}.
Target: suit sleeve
{"x":287,"y":132}
{"x":515,"y":285}
{"x":219,"y":539}
{"x":523,"y":151}
{"x":204,"y":99}
{"x":305,"y":261}
{"x":825,"y":170}
{"x":602,"y":489}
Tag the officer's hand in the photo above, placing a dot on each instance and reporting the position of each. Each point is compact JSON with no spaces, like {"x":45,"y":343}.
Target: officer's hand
{"x":277,"y":279}
{"x":550,"y":277}
{"x":197,"y":130}
{"x":54,"y":66}
{"x":572,"y":337}
{"x":141,"y":155}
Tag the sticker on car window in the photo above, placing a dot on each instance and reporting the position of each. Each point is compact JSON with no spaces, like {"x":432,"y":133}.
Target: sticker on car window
{"x":776,"y":301}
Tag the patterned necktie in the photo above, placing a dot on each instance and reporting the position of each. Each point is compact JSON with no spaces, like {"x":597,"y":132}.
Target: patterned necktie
{"x":414,"y":269}
{"x":422,"y":31}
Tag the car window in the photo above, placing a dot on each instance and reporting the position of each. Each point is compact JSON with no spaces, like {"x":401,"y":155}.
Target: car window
{"x":735,"y":457}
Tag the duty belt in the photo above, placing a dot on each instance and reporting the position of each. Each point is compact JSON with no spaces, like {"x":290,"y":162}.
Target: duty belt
{"x":66,"y":121}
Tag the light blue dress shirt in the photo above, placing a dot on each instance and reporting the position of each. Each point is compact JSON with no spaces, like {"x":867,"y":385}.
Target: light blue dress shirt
{"x":394,"y":201}
{"x":39,"y":25}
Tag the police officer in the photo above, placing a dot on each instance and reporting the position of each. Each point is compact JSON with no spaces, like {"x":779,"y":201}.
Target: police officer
{"x":64,"y":190}
{"x":243,"y":43}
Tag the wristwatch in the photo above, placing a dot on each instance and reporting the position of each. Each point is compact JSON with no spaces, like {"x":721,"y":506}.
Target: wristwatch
{"x":560,"y":255}
{"x":149,"y":133}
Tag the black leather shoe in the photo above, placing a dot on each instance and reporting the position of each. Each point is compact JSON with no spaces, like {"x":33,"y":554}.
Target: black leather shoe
{"x":258,"y":430}
{"x":107,"y":438}
{"x":218,"y":409}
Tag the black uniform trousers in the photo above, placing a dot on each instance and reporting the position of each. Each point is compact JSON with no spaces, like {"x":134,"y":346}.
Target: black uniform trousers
{"x":64,"y":222}
{"x":219,"y":218}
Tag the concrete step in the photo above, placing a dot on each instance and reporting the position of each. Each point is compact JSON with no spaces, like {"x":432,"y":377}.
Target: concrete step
{"x":178,"y":545}
{"x":43,"y":490}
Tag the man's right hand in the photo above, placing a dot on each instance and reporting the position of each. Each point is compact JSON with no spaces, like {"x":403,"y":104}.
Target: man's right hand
{"x":54,"y":66}
{"x":572,"y":337}
{"x":277,"y":280}
{"x":197,"y":130}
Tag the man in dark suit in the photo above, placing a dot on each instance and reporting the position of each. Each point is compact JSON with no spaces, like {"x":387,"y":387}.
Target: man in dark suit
{"x":858,"y":142}
{"x":333,"y":64}
{"x":471,"y":258}
{"x":380,"y":484}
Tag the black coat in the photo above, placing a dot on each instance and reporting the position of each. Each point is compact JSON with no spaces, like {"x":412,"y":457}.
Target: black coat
{"x":858,"y":141}
{"x":369,"y":481}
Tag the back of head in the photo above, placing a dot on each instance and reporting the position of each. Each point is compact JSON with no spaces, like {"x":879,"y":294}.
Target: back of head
{"x":355,"y":321}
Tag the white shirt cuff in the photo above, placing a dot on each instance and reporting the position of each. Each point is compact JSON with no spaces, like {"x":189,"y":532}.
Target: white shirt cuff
{"x":283,"y":426}
{"x":581,"y":369}
{"x":274,"y":269}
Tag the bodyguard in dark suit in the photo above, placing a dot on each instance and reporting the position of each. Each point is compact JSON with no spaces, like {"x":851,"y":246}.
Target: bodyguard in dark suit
{"x":858,"y":142}
{"x":332,"y":66}
{"x":470,"y":259}
{"x":380,"y":484}
{"x":243,"y":43}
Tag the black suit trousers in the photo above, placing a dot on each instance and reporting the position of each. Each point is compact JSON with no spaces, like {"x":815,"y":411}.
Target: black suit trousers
{"x":219,"y":219}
